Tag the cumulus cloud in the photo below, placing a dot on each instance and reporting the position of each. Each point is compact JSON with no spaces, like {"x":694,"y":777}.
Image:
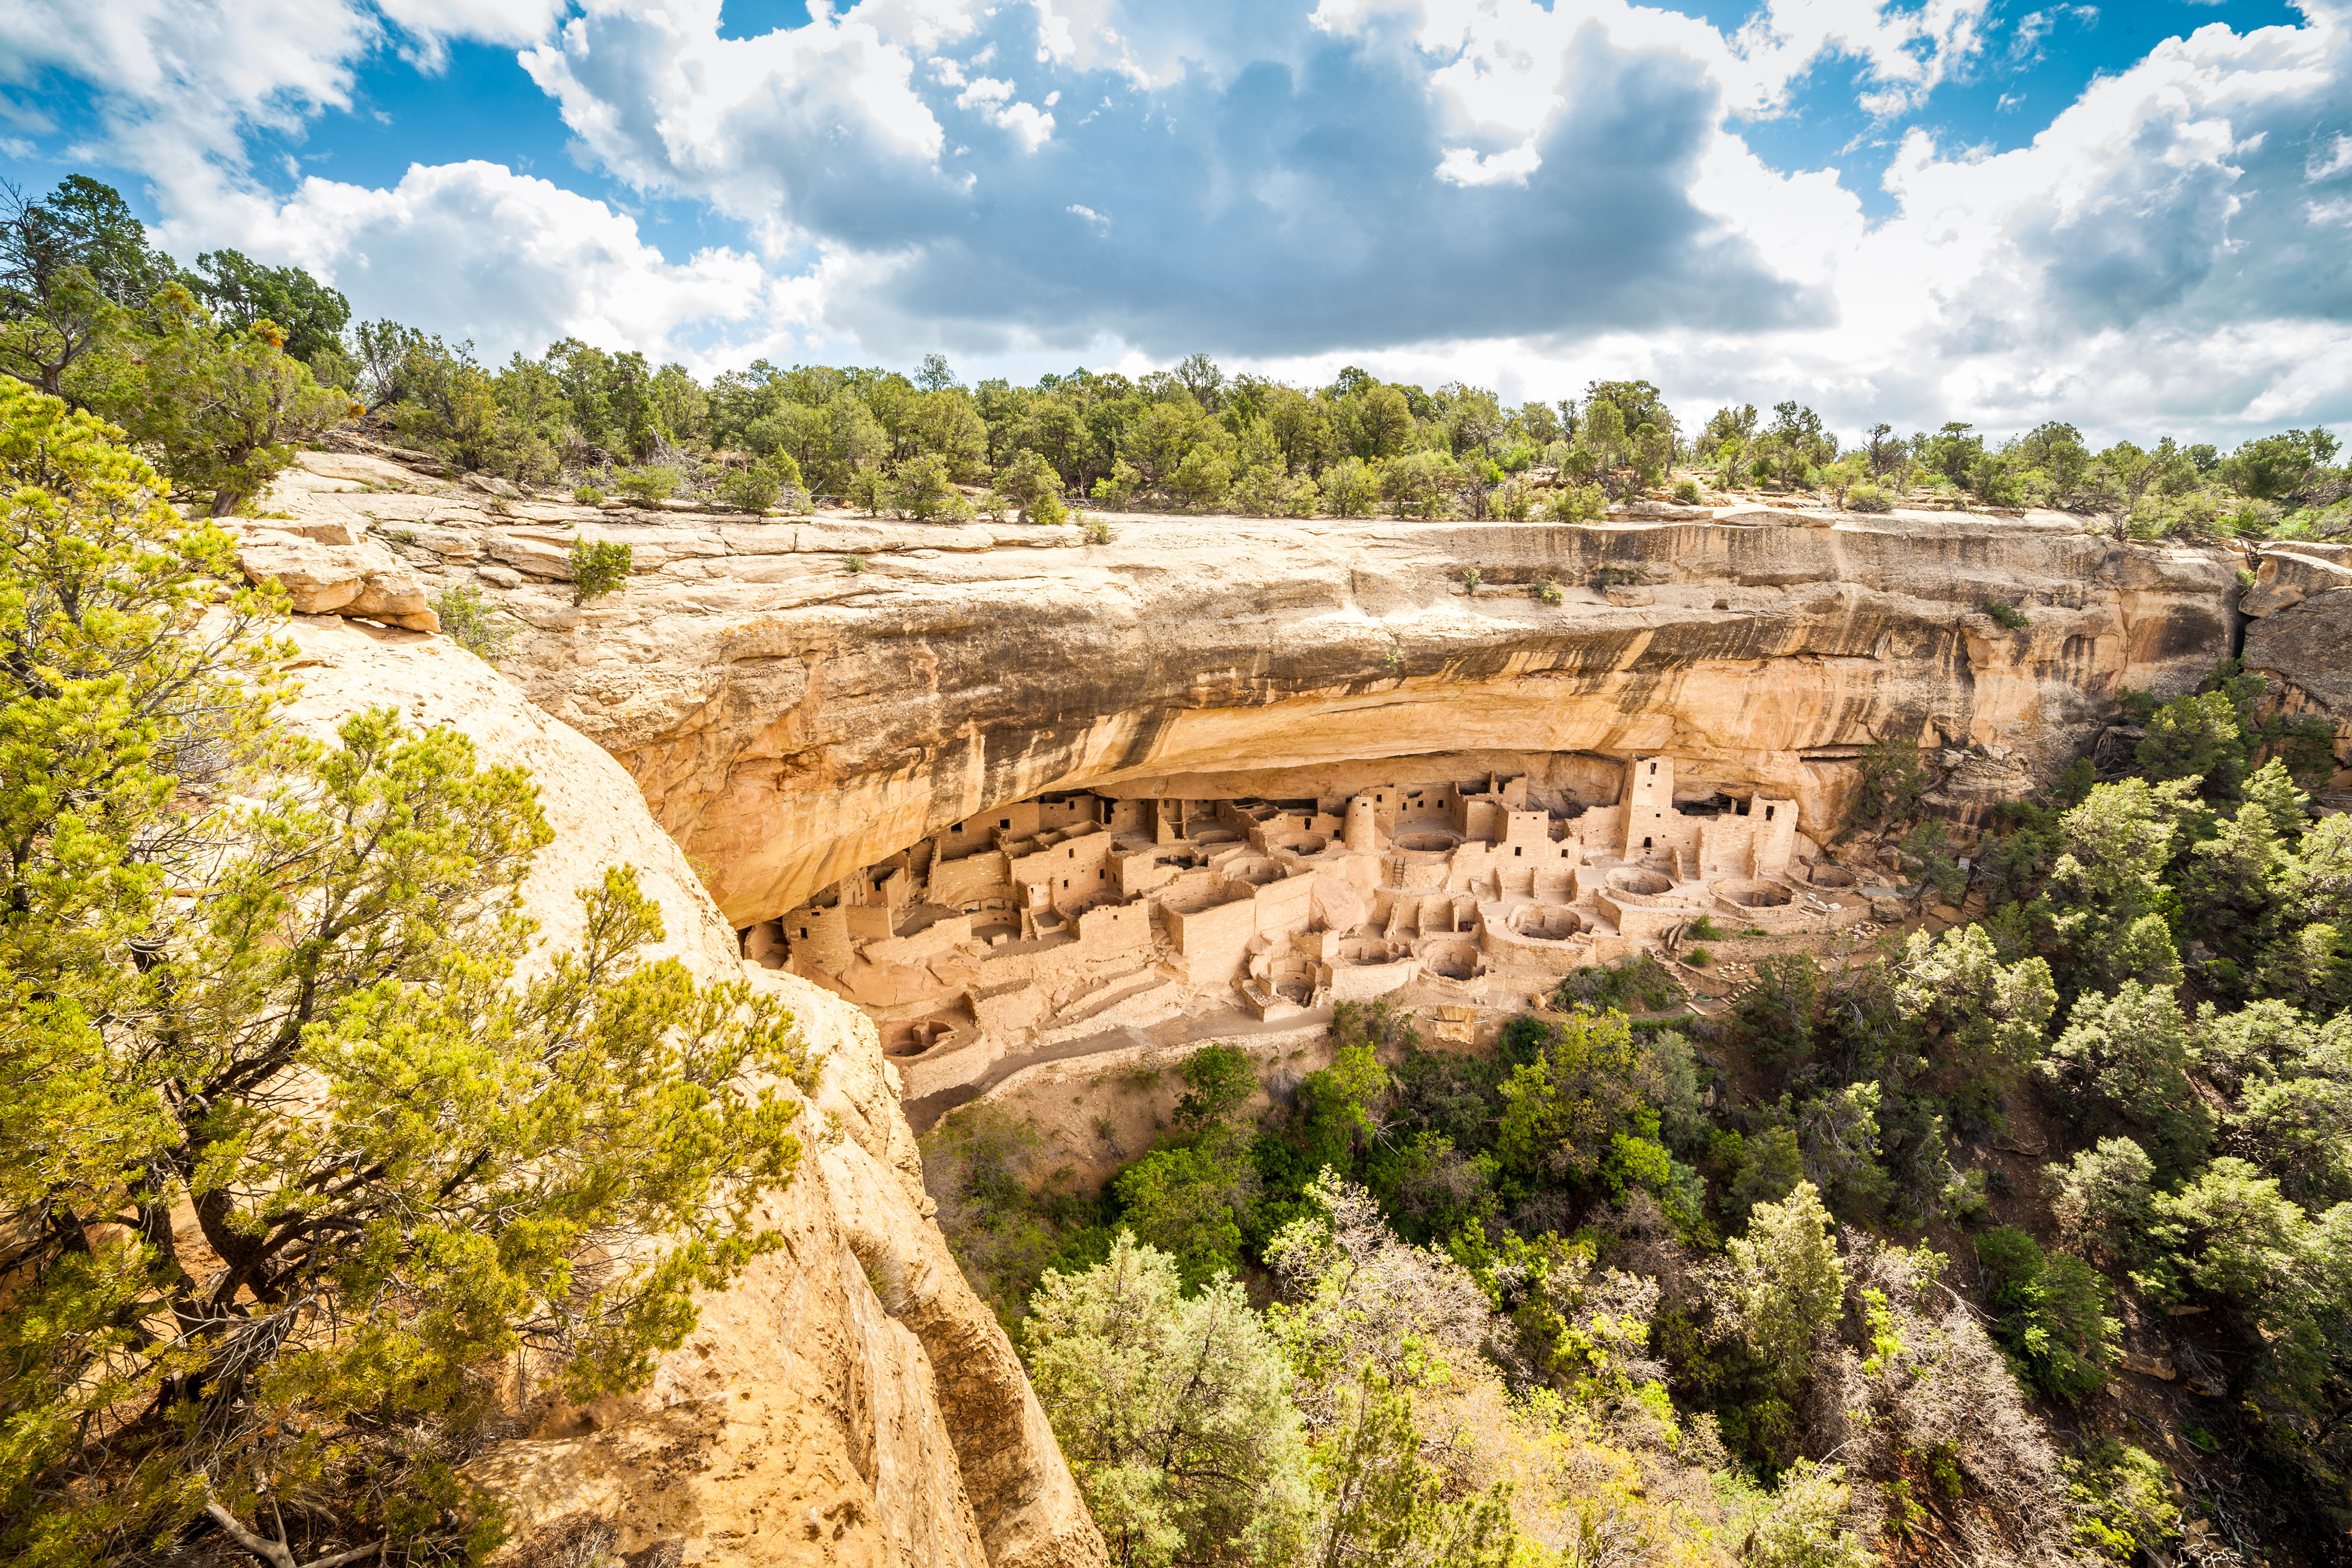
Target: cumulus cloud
{"x":1276,"y":187}
{"x":515,"y":263}
{"x":1516,"y":192}
{"x":177,"y":85}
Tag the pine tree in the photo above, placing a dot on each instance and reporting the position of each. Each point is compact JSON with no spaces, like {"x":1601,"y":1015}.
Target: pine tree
{"x":288,"y":1154}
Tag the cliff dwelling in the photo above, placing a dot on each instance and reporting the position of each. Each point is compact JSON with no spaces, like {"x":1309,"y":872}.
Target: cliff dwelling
{"x":1044,"y":922}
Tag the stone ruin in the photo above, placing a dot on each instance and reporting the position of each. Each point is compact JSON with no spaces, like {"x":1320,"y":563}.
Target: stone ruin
{"x":1045,"y":923}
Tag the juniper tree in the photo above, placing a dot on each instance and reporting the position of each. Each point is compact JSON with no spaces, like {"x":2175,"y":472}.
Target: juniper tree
{"x":291,"y":1155}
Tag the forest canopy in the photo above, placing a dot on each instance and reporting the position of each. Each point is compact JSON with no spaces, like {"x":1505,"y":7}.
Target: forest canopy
{"x":220,"y":370}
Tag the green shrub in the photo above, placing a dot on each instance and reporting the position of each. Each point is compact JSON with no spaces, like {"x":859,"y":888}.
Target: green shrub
{"x":1032,"y":486}
{"x":923,"y":489}
{"x":853,"y":564}
{"x":1201,"y":480}
{"x":1642,"y":982}
{"x":1117,"y":487}
{"x":2054,"y":1313}
{"x":1869,"y":497}
{"x":1927,"y":850}
{"x":1469,"y":577}
{"x":1698,"y":957}
{"x":1687,"y":491}
{"x":753,"y":488}
{"x":1351,"y":487}
{"x":472,"y":620}
{"x":1888,"y":781}
{"x":1266,"y":491}
{"x":2007,"y":617}
{"x":1704,"y":929}
{"x":2124,"y":1500}
{"x":1098,"y":531}
{"x":1546,"y":590}
{"x":599,"y":567}
{"x":1420,"y":484}
{"x":1576,"y":503}
{"x":868,"y":490}
{"x":587,"y":495}
{"x":655,"y":482}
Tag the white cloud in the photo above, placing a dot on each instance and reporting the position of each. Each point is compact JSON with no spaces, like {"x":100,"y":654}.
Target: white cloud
{"x":1906,"y":50}
{"x":514,"y":263}
{"x":802,"y":117}
{"x":1500,"y":190}
{"x":177,"y":85}
{"x":1030,"y":126}
{"x":1465,"y":167}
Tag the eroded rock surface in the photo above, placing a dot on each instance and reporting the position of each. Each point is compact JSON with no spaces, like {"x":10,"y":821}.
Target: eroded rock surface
{"x":793,"y":722}
{"x":849,"y":1400}
{"x":325,"y":570}
{"x":2300,"y":631}
{"x":799,"y":698}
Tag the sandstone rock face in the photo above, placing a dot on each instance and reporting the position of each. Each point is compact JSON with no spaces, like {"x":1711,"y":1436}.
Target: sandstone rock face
{"x":2300,"y":636}
{"x":791,"y":719}
{"x":849,"y":1400}
{"x":2306,"y":647}
{"x":2287,"y":577}
{"x":326,"y":570}
{"x":791,"y":722}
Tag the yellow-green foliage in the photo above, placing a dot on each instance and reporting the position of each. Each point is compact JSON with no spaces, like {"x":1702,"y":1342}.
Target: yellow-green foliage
{"x":599,"y":567}
{"x":286,"y":1151}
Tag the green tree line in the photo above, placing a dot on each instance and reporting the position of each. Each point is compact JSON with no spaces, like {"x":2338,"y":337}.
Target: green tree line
{"x":220,"y":369}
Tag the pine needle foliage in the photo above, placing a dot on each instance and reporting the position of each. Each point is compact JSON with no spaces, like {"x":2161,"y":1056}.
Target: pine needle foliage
{"x":296,"y":1157}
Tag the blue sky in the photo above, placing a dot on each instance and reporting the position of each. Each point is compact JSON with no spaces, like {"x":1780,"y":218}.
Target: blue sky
{"x":2132,"y":217}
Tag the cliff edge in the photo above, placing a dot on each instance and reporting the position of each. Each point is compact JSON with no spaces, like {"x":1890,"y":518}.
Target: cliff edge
{"x":849,"y":1399}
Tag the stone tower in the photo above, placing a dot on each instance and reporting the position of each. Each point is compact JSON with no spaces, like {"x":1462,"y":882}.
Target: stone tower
{"x":1649,"y":804}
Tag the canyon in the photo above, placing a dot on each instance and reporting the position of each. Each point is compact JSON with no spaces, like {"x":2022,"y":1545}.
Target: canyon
{"x":781,"y":715}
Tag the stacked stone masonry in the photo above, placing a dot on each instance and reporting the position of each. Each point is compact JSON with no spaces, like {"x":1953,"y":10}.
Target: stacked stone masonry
{"x":1047,"y":919}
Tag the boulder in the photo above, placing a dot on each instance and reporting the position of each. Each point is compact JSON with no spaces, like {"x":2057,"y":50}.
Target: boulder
{"x":318,"y":529}
{"x":2287,"y":577}
{"x":362,"y":578}
{"x":535,"y":554}
{"x":455,"y":543}
{"x":358,"y":468}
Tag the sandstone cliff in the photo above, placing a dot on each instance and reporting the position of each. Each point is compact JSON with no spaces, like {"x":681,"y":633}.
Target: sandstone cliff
{"x":2301,"y":632}
{"x":849,"y":1400}
{"x":791,"y":720}
{"x":797,"y":699}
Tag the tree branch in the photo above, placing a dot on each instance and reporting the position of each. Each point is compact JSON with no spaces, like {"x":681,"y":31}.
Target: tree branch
{"x":277,"y":1553}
